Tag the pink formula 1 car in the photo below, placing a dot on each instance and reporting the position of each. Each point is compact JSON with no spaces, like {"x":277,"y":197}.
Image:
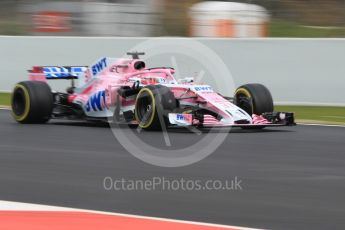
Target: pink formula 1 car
{"x":125,"y":91}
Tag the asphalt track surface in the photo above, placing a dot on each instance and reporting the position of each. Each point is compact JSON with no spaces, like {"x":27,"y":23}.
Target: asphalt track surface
{"x":293,"y":177}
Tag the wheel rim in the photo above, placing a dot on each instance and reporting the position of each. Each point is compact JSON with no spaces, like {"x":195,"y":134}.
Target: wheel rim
{"x":144,"y":108}
{"x":244,"y":100}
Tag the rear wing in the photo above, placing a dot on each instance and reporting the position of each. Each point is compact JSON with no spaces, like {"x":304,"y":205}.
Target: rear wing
{"x":42,"y":73}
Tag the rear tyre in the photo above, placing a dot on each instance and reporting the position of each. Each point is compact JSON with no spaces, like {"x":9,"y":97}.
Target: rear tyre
{"x":32,"y":102}
{"x":153,"y":103}
{"x":254,"y":99}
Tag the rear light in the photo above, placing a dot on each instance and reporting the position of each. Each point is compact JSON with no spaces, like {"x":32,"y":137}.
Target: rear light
{"x":36,"y":74}
{"x":37,"y":69}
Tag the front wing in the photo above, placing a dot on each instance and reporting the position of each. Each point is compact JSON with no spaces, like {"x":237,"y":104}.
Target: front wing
{"x":271,"y":119}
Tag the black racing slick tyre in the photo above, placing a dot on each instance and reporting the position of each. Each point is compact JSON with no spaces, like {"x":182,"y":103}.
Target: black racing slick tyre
{"x":152,"y":105}
{"x":32,"y":102}
{"x":254,"y":99}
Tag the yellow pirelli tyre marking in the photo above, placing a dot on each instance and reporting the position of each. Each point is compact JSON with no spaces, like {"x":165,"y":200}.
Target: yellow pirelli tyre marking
{"x":153,"y":108}
{"x":246,"y":93}
{"x":243,"y":91}
{"x":27,"y":103}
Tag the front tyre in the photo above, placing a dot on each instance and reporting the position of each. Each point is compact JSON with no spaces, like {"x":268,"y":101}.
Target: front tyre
{"x":32,"y":102}
{"x":254,"y":99}
{"x":152,"y":105}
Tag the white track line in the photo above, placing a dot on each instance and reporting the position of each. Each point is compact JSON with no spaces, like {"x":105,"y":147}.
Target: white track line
{"x":324,"y":125}
{"x":18,"y":206}
{"x":308,"y":103}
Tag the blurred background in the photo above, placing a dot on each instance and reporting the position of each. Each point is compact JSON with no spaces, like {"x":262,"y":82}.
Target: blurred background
{"x":247,"y":18}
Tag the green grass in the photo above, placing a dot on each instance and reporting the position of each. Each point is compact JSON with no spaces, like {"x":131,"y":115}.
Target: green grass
{"x":5,"y":99}
{"x":12,"y":27}
{"x":316,"y":114}
{"x":291,"y":29}
{"x":307,"y":114}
